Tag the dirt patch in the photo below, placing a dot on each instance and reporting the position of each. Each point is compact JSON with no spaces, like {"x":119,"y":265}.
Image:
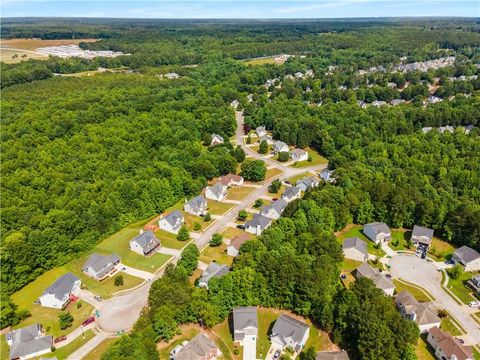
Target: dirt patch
{"x":34,"y":43}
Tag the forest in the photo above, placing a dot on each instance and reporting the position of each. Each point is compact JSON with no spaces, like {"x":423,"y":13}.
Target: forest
{"x":85,"y":156}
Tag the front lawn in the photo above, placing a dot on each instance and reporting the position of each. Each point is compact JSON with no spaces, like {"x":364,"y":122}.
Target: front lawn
{"x":218,"y":254}
{"x":271,"y":173}
{"x":356,"y":231}
{"x":231,"y":232}
{"x":417,"y":292}
{"x":293,"y":180}
{"x":239,"y":192}
{"x":448,"y":325}
{"x":317,"y":159}
{"x":277,"y":194}
{"x":459,"y":287}
{"x":64,"y":352}
{"x":169,"y":240}
{"x":218,"y":208}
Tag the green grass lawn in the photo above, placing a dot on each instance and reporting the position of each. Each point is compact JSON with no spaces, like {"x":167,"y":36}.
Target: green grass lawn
{"x":218,"y":208}
{"x":249,"y":217}
{"x":277,"y":194}
{"x":230,"y":232}
{"x":317,"y":159}
{"x":317,"y":339}
{"x":218,"y":254}
{"x":400,"y":239}
{"x":293,"y":180}
{"x":417,"y":292}
{"x":460,"y":289}
{"x":448,"y":325}
{"x":169,"y":240}
{"x":96,"y":353}
{"x":63,"y":352}
{"x":423,"y":350}
{"x":223,"y":338}
{"x":239,"y":192}
{"x":4,"y":348}
{"x":271,"y":173}
{"x":440,"y":250}
{"x":257,"y":62}
{"x":356,"y":231}
{"x":349,"y":264}
{"x":266,"y":319}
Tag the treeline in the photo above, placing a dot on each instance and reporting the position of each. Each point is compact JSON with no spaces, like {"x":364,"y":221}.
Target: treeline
{"x":84,"y":157}
{"x":388,"y":170}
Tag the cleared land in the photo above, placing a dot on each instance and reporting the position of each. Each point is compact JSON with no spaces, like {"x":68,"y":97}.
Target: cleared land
{"x":257,"y":62}
{"x":12,"y":56}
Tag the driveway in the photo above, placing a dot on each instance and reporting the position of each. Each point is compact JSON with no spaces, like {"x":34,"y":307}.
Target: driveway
{"x":145,"y":275}
{"x":425,"y":274}
{"x":250,"y":347}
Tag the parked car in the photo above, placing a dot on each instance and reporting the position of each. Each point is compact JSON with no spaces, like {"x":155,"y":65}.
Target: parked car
{"x":276,"y":355}
{"x":388,"y":276}
{"x":474,"y":304}
{"x":241,"y":227}
{"x":274,"y":199}
{"x":59,"y":339}
{"x":88,"y":321}
{"x":424,"y":255}
{"x":343,"y":276}
{"x":98,"y":298}
{"x":287,"y":182}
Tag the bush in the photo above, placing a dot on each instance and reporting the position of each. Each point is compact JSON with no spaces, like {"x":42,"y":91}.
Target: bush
{"x":242,"y":215}
{"x":283,"y":156}
{"x":442,"y":313}
{"x":310,"y":159}
{"x":183,"y":234}
{"x":217,"y":240}
{"x":207,"y":217}
{"x":118,"y":281}
{"x":263,"y":149}
{"x":258,"y":203}
{"x":197,"y":226}
{"x":249,"y":139}
{"x":65,"y":320}
{"x":274,"y":186}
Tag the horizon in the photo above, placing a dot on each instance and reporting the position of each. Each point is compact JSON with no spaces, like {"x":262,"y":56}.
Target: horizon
{"x":240,"y":10}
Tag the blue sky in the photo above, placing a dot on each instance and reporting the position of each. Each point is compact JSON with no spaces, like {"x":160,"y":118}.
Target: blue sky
{"x":240,"y":8}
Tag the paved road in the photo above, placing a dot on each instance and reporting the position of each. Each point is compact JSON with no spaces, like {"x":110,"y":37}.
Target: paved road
{"x":426,"y":275}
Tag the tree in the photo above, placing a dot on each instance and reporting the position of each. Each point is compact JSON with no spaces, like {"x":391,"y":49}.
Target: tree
{"x":118,"y":280}
{"x":197,"y":226}
{"x":455,"y":272}
{"x":258,"y":203}
{"x":65,"y":320}
{"x":242,"y":215}
{"x":239,"y":154}
{"x":183,"y":234}
{"x":263,"y":148}
{"x":207,"y":217}
{"x":189,"y":258}
{"x":275,"y":186}
{"x":283,"y":156}
{"x":253,"y":170}
{"x":308,"y":354}
{"x":217,"y":240}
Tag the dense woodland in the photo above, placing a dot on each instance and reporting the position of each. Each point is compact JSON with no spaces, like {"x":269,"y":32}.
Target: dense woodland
{"x":84,"y":156}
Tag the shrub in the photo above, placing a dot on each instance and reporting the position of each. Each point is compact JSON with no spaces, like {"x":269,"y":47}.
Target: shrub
{"x":65,"y":320}
{"x":79,"y":304}
{"x":242,"y":215}
{"x":207,"y":217}
{"x":197,"y":226}
{"x":118,"y":281}
{"x":283,"y":156}
{"x":274,"y":186}
{"x":183,"y":234}
{"x":455,"y":272}
{"x":216,"y":240}
{"x":258,"y":203}
{"x":263,"y":149}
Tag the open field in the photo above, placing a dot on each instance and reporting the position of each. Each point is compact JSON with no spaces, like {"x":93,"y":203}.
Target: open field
{"x":356,"y":231}
{"x":317,"y":159}
{"x":418,"y":293}
{"x":11,"y":56}
{"x":218,"y":254}
{"x":239,"y":192}
{"x":63,"y":352}
{"x":96,"y":353}
{"x":257,"y":62}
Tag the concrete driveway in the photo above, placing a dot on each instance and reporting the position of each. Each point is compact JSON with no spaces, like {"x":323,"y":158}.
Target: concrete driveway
{"x":145,"y":275}
{"x":425,"y":274}
{"x":250,"y":347}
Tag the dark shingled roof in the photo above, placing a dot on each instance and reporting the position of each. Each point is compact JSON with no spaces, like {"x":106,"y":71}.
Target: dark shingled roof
{"x":62,"y":286}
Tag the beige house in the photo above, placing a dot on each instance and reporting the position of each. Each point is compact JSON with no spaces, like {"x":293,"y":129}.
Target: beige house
{"x":413,"y":310}
{"x":468,"y":257}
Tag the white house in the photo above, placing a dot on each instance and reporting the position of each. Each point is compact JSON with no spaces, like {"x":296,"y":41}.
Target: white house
{"x":299,"y":155}
{"x":355,"y":249}
{"x":447,"y":347}
{"x":257,"y":224}
{"x":292,"y":193}
{"x":413,"y":310}
{"x":145,"y":243}
{"x":266,"y":138}
{"x":216,"y":192}
{"x":57,"y":295}
{"x":196,"y":206}
{"x":307,"y":183}
{"x":380,"y":280}
{"x":232,"y":180}
{"x":100,"y":266}
{"x":234,"y":104}
{"x":274,"y":210}
{"x":289,"y":332}
{"x":468,"y":257}
{"x":236,"y":243}
{"x":261,"y":131}
{"x":171,"y":222}
{"x":377,"y":232}
{"x":28,"y":342}
{"x":280,"y":146}
{"x":216,"y":140}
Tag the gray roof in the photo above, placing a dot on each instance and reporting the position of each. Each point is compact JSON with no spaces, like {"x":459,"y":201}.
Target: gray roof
{"x":299,"y":152}
{"x":174,"y":217}
{"x":266,"y":138}
{"x":244,"y":317}
{"x":258,"y":219}
{"x":422,"y":231}
{"x":278,"y":145}
{"x":356,"y":243}
{"x":28,"y":340}
{"x":147,"y":241}
{"x":466,"y":254}
{"x":260,"y":129}
{"x":198,"y":202}
{"x":291,"y":192}
{"x":396,"y":101}
{"x":423,"y":314}
{"x":278,"y":206}
{"x":332,"y":355}
{"x":218,"y":188}
{"x":309,"y":181}
{"x":218,"y":137}
{"x":378,"y":227}
{"x":100,"y":264}
{"x":288,"y":327}
{"x":214,"y":270}
{"x":197,"y":348}
{"x":380,"y":281}
{"x":62,"y":286}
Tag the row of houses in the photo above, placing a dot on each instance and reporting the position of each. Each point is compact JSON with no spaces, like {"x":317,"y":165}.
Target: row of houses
{"x":280,"y":146}
{"x":448,"y":128}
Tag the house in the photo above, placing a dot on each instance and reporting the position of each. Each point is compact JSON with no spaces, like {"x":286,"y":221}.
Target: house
{"x":299,"y":155}
{"x":171,"y":222}
{"x":332,"y":355}
{"x":289,"y":332}
{"x":266,"y":138}
{"x":355,"y":249}
{"x":199,"y":348}
{"x":298,"y":75}
{"x":261,"y":131}
{"x":427,"y":129}
{"x":28,"y":342}
{"x":196,"y":206}
{"x":292,"y":193}
{"x":245,"y":323}
{"x":307,"y":183}
{"x":216,"y":192}
{"x":145,"y":243}
{"x":280,"y":146}
{"x":396,"y":102}
{"x":474,"y":284}
{"x":257,"y":224}
{"x":274,"y":210}
{"x":327,"y":175}
{"x":381,"y":282}
{"x":413,"y":310}
{"x":422,"y":236}
{"x":378,"y":103}
{"x":171,"y":76}
{"x":434,"y":99}
{"x":447,"y":347}
{"x":468,"y":257}
{"x":57,"y":295}
{"x":468,"y":129}
{"x":231,"y":180}
{"x":99,"y":266}
{"x":447,"y":128}
{"x":234,"y":104}
{"x":362,"y":104}
{"x":216,"y":140}
{"x":309,"y":73}
{"x":236,"y":243}
{"x":391,"y":85}
{"x":377,"y":232}
{"x":213,"y":270}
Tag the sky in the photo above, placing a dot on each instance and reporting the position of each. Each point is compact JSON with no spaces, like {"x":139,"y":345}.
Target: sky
{"x":239,"y":8}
